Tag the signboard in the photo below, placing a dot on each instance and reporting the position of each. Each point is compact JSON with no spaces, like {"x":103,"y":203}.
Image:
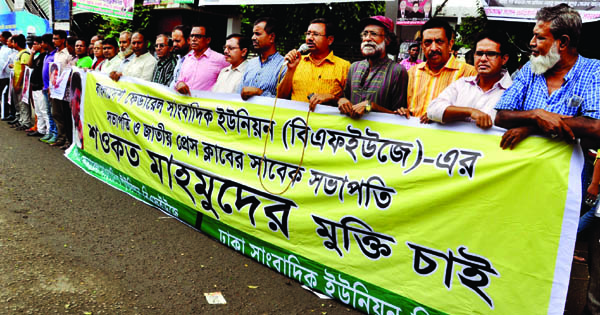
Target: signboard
{"x":257,"y":2}
{"x":62,"y":10}
{"x":122,"y":9}
{"x":384,"y":214}
{"x":525,"y":10}
{"x":413,"y":12}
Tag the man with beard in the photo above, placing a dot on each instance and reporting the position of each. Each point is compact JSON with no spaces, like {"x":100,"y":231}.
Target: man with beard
{"x":236,"y":51}
{"x":557,"y":93}
{"x":318,"y":77}
{"x":163,"y":72}
{"x":428,"y":79}
{"x":264,"y":71}
{"x":142,"y":64}
{"x":201,"y":67}
{"x":376,"y":83}
{"x":473,"y":98}
{"x":181,"y":37}
{"x":126,"y":53}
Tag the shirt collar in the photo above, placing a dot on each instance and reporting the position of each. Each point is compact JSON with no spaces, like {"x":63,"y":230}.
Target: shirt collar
{"x":575,"y":70}
{"x":329,"y":57}
{"x":504,"y":82}
{"x":208,"y":52}
{"x":451,"y":64}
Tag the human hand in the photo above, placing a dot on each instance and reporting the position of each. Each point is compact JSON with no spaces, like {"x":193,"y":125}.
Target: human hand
{"x":424,"y":119}
{"x":402,"y":112}
{"x":316,"y":99}
{"x":592,"y":193}
{"x":481,"y":119}
{"x":182,"y":88}
{"x":553,"y":125}
{"x":249,"y":91}
{"x":358,"y":110}
{"x":513,"y":136}
{"x":293,"y":59}
{"x":115,"y":75}
{"x":345,"y":106}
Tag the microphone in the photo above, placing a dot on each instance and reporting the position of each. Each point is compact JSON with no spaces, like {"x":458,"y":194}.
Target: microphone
{"x":302,"y":50}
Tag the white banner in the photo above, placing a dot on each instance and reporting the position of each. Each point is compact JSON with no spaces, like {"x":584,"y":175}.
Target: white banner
{"x":525,"y":10}
{"x":238,"y":2}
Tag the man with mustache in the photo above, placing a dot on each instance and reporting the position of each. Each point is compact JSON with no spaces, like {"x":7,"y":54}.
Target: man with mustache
{"x":428,"y":79}
{"x":473,"y":98}
{"x":236,"y":51}
{"x":376,"y":83}
{"x":201,"y":67}
{"x":263,"y":72}
{"x":318,"y":77}
{"x":163,"y":72}
{"x":142,"y":64}
{"x":557,"y":93}
{"x":181,"y":46}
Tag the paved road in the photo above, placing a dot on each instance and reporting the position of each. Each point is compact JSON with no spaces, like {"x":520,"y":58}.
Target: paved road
{"x":71,"y":244}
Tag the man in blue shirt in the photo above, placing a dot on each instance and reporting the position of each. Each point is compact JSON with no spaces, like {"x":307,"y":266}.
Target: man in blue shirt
{"x":263,"y":72}
{"x":557,"y":93}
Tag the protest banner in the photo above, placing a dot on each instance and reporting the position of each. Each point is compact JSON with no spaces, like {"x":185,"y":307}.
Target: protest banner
{"x":384,"y":214}
{"x":122,"y":9}
{"x":525,"y":10}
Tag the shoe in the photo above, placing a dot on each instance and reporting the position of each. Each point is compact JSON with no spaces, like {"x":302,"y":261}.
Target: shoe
{"x":22,"y":128}
{"x":34,"y":134}
{"x":14,"y":121}
{"x":58,"y":143}
{"x":9,"y":118}
{"x":66,"y":146}
{"x":15,"y":125}
{"x":52,"y":140}
{"x":31,"y":130}
{"x":46,"y":137}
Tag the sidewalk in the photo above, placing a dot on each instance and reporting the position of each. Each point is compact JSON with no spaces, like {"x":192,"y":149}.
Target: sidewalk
{"x":578,"y":283}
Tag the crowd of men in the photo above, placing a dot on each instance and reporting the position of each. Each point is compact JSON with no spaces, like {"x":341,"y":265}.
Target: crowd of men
{"x":556,"y":93}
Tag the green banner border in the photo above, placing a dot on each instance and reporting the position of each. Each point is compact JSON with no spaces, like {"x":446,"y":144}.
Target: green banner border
{"x":216,"y":229}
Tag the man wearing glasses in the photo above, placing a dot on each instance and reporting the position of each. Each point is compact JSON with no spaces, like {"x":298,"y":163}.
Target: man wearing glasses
{"x":473,"y":98}
{"x":318,"y":77}
{"x":428,"y":79}
{"x":376,"y":83}
{"x":201,"y":67}
{"x":236,"y":51}
{"x":163,"y":72}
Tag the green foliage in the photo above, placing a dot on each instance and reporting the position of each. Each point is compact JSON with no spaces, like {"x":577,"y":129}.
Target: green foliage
{"x":87,"y":25}
{"x":470,"y":27}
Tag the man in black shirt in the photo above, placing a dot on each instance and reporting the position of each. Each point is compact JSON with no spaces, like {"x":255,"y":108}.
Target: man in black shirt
{"x":36,"y":63}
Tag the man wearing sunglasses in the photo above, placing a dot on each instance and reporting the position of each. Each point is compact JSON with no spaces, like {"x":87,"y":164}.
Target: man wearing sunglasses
{"x":163,"y":72}
{"x":201,"y":66}
{"x":473,"y":98}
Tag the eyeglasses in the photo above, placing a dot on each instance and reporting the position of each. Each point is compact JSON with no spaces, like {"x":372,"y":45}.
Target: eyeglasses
{"x":366,"y":34}
{"x":159,"y":45}
{"x":198,"y":36}
{"x":489,"y":54}
{"x":315,"y":34}
{"x":230,"y":48}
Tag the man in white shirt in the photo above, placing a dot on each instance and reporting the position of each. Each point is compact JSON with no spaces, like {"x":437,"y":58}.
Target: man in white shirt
{"x":236,"y":53}
{"x":143,"y":63}
{"x":5,"y":53}
{"x":110,"y":50}
{"x":474,"y":98}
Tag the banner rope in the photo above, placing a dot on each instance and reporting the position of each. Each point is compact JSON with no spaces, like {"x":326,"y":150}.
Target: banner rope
{"x":260,"y":178}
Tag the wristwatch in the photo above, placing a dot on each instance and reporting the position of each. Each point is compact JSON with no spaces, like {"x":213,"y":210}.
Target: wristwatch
{"x":368,"y":107}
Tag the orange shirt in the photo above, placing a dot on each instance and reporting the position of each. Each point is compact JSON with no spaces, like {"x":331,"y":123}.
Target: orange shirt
{"x":425,"y":85}
{"x":327,"y":77}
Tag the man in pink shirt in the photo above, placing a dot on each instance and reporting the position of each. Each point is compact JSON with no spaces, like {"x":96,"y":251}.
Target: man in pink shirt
{"x":201,"y":66}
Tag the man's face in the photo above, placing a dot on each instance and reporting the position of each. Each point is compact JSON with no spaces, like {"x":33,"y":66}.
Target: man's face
{"x":545,"y":52}
{"x":45,"y":46}
{"x":436,"y":47}
{"x":9,"y":43}
{"x":180,"y":45}
{"x":415,"y":7}
{"x":373,"y":44}
{"x":233,"y":53}
{"x":80,"y":48}
{"x":138,"y":44}
{"x":161,"y":46}
{"x":36,"y":46}
{"x":98,"y":50}
{"x":109,"y":51}
{"x":58,"y":42}
{"x":124,"y":42}
{"x":413,"y":52}
{"x":427,"y":7}
{"x":488,"y":58}
{"x":403,"y":5}
{"x":318,"y":41}
{"x":261,"y":41}
{"x":198,"y":39}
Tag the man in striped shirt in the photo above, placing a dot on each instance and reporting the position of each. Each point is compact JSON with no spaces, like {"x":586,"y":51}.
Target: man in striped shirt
{"x":319,"y":77}
{"x":428,"y":79}
{"x":263,"y":72}
{"x":376,"y":83}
